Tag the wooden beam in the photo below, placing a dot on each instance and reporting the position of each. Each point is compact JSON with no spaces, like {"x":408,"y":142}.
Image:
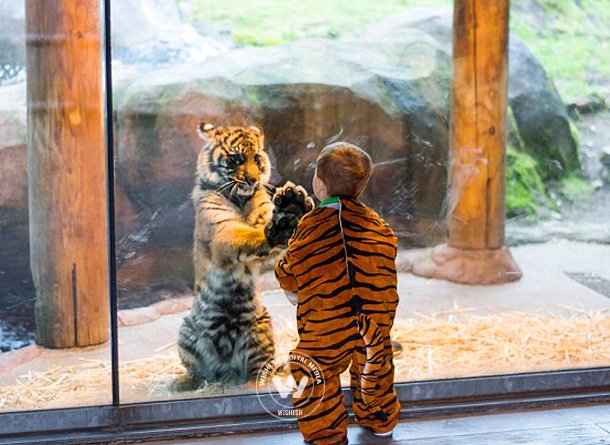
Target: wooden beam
{"x":478,"y":125}
{"x":475,"y":251}
{"x":67,"y":172}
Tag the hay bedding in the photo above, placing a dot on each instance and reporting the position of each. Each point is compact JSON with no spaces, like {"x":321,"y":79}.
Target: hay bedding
{"x":443,"y":345}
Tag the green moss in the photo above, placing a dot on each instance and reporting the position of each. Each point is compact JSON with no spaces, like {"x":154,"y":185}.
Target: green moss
{"x":525,"y":191}
{"x":574,"y":187}
{"x":514,"y":137}
{"x":575,"y":133}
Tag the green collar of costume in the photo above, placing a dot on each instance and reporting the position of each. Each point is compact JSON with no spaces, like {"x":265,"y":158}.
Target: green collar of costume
{"x":331,"y":200}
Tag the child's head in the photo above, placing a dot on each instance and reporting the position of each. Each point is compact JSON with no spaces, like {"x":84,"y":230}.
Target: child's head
{"x":342,"y":170}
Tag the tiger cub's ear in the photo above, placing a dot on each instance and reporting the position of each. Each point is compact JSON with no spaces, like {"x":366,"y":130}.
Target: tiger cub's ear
{"x":255,"y":129}
{"x":204,"y":130}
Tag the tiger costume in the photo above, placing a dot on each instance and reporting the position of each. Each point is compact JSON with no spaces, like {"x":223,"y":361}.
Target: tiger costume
{"x":227,"y":336}
{"x":341,"y":264}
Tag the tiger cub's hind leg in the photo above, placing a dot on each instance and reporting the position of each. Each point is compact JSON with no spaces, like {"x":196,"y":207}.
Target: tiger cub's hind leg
{"x":198,"y":354}
{"x":262,"y":339}
{"x":187,"y":351}
{"x":254,"y":348}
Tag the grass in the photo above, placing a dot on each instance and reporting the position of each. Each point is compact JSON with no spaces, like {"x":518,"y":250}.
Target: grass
{"x":271,"y":22}
{"x":570,"y":37}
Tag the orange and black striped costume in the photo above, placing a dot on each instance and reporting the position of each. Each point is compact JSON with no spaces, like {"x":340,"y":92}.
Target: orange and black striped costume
{"x":341,"y":264}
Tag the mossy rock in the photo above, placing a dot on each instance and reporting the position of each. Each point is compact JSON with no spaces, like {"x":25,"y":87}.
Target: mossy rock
{"x":525,"y":190}
{"x":574,"y":186}
{"x":545,"y":128}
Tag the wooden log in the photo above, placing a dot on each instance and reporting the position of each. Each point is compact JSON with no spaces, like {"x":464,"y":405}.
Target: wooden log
{"x":478,"y":124}
{"x":67,"y":172}
{"x":475,"y":251}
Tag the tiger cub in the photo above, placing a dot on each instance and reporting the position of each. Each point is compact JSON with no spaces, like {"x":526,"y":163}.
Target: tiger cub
{"x":227,"y":336}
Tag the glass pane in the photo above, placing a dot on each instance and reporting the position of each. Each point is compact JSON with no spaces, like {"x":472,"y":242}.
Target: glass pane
{"x":54,"y":300}
{"x":378,"y":75}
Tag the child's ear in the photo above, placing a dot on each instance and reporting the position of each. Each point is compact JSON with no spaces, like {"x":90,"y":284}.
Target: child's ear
{"x":205,"y":130}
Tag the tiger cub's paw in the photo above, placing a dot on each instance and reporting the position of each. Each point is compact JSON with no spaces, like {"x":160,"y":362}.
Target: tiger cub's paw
{"x":254,"y":254}
{"x":183,"y":383}
{"x":290,"y":202}
{"x":292,"y":199}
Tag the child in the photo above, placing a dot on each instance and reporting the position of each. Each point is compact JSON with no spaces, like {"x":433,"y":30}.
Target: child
{"x":341,"y":264}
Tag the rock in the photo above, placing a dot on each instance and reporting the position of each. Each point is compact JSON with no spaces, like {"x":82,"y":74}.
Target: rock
{"x":541,"y":116}
{"x":12,"y":39}
{"x":13,"y":151}
{"x":538,"y":111}
{"x":604,"y":159}
{"x":587,"y":105}
{"x":389,"y":98}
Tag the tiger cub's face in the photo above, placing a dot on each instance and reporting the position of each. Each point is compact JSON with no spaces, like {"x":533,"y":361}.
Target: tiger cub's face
{"x":233,"y":159}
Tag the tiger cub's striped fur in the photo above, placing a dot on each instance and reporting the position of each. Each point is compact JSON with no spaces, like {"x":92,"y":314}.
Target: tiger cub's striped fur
{"x":227,"y":336}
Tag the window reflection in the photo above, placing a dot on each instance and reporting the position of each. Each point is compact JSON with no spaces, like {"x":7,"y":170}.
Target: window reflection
{"x":378,"y":76}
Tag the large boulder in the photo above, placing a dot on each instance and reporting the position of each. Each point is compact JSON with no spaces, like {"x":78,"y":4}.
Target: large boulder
{"x":541,"y":116}
{"x":387,"y":96}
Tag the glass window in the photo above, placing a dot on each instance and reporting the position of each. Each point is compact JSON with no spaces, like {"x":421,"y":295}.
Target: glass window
{"x":379,"y":76}
{"x":54,"y":299}
{"x":494,"y":178}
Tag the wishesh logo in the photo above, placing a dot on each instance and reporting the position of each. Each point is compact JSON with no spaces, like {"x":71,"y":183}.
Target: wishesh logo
{"x":276,"y":385}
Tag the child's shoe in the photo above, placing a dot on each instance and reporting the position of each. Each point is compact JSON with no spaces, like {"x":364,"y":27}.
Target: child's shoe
{"x":386,"y":434}
{"x":382,"y":435}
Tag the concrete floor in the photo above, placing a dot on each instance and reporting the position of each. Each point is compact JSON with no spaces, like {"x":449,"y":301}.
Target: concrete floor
{"x":544,"y":287}
{"x":585,"y":425}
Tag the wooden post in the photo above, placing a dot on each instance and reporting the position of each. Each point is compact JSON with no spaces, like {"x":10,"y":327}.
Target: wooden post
{"x":67,"y":172}
{"x":475,"y":251}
